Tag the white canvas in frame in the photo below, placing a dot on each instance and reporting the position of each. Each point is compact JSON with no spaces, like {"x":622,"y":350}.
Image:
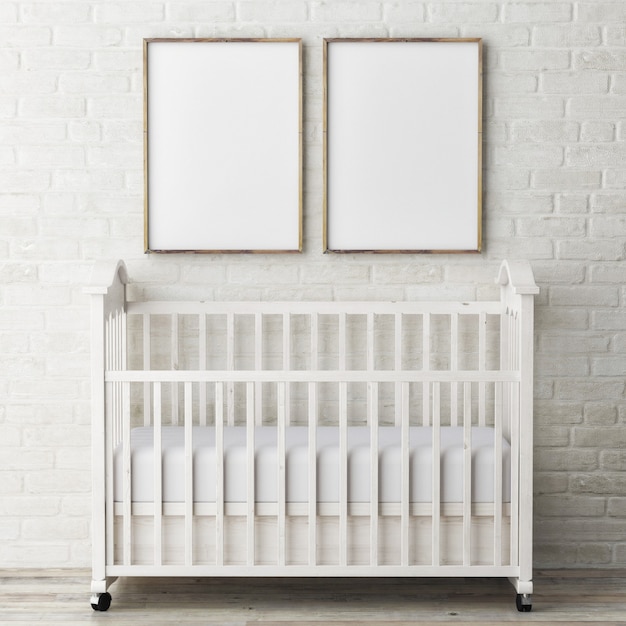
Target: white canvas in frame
{"x":223,"y":145}
{"x":403,"y":138}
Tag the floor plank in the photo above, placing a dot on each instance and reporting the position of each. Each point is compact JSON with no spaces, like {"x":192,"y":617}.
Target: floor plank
{"x":62,"y":596}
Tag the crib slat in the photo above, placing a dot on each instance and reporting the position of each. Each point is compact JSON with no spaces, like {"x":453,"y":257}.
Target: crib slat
{"x":454,"y":366}
{"x":174,"y":366}
{"x":258,"y":365}
{"x":404,"y":504}
{"x":219,"y":473}
{"x":250,"y":423}
{"x":282,"y":512}
{"x":111,"y":442}
{"x":426,"y":368}
{"x":146,"y":366}
{"x":397,"y":350}
{"x":158,"y":475}
{"x":372,"y":418}
{"x":188,"y":417}
{"x":436,"y":474}
{"x":312,"y":467}
{"x":370,"y":350}
{"x":287,"y":362}
{"x":127,"y":482}
{"x":343,"y":474}
{"x":482,"y":366}
{"x":230,"y":366}
{"x":515,"y":445}
{"x":202,"y":365}
{"x":497,"y":496}
{"x":467,"y":473}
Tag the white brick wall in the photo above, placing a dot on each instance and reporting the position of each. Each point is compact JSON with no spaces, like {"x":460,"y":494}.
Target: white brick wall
{"x":555,"y":193}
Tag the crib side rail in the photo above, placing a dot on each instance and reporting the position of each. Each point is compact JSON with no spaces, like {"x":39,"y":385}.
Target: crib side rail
{"x":107,"y":291}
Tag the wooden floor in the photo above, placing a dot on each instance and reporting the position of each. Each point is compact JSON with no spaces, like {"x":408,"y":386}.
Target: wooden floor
{"x":561,"y":597}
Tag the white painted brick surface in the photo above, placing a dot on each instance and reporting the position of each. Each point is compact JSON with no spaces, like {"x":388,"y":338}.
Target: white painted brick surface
{"x":71,"y":184}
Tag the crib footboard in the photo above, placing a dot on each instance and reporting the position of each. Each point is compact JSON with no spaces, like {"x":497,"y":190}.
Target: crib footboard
{"x":312,"y":439}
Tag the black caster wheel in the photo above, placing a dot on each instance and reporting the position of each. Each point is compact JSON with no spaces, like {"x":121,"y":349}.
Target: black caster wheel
{"x":101,"y":601}
{"x":523,"y":603}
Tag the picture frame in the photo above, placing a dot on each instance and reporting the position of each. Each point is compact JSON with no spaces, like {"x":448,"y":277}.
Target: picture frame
{"x":222,"y":145}
{"x":402,"y":145}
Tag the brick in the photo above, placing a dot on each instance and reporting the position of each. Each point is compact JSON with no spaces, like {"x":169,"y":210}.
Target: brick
{"x":553,"y":227}
{"x":528,"y":155}
{"x":590,"y":107}
{"x":573,"y":343}
{"x":609,"y":366}
{"x":23,"y":181}
{"x":613,"y":460}
{"x":409,"y":274}
{"x":566,"y":36}
{"x":8,"y":12}
{"x":51,"y":156}
{"x":462,"y":12}
{"x":607,"y":203}
{"x":201,"y":11}
{"x":598,"y":250}
{"x":23,"y":37}
{"x":615,"y":178}
{"x":128,"y":12}
{"x":504,"y":84}
{"x":609,"y":320}
{"x":617,"y":507}
{"x":88,"y":180}
{"x":345,"y":11}
{"x":316,"y":273}
{"x":589,"y":390}
{"x":570,"y":506}
{"x":118,"y":60}
{"x":558,"y":366}
{"x":118,"y":156}
{"x":615,"y":35}
{"x":404,"y":11}
{"x":570,"y":460}
{"x":90,"y":83}
{"x":598,"y":155}
{"x":33,"y":133}
{"x":607,"y":437}
{"x":518,"y":59}
{"x":599,"y":484}
{"x":561,"y":413}
{"x":50,"y":554}
{"x":20,"y":83}
{"x":597,"y":131}
{"x":537,"y":12}
{"x":55,"y":13}
{"x":566,"y":178}
{"x":574,"y":82}
{"x":572,"y":203}
{"x":606,"y":273}
{"x":55,"y":59}
{"x":581,"y":295}
{"x":541,"y":131}
{"x":606,"y":226}
{"x":282,"y":11}
{"x":603,"y":12}
{"x":600,"y":414}
{"x":529,"y":107}
{"x":52,"y":107}
{"x":29,"y":506}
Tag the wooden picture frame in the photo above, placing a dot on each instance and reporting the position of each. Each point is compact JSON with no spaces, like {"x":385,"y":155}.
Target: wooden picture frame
{"x":223,"y":145}
{"x":402,"y":145}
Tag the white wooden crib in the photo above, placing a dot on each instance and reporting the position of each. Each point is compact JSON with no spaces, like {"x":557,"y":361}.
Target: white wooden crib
{"x":312,"y":438}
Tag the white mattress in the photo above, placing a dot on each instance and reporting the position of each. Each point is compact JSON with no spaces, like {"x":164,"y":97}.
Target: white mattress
{"x":142,"y":480}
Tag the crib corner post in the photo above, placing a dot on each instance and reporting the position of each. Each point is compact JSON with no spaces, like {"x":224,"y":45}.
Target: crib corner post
{"x":518,"y":288}
{"x":107,"y":292}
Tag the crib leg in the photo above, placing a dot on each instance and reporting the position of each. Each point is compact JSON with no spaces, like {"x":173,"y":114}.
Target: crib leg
{"x":101,"y":601}
{"x":524,"y":603}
